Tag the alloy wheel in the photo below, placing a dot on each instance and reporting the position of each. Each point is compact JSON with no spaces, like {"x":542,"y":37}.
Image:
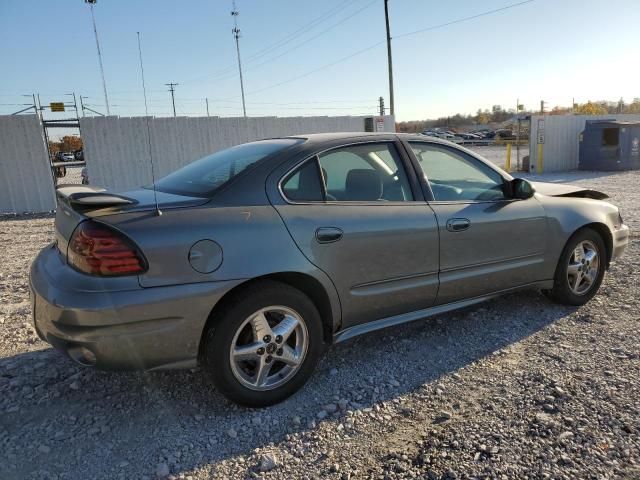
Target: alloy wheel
{"x":268,"y":348}
{"x":583,"y":268}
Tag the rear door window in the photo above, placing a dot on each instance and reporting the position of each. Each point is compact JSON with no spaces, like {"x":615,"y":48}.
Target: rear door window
{"x":365,"y":172}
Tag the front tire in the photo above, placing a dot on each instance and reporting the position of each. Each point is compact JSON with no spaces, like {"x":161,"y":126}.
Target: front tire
{"x":264,"y":344}
{"x":580,"y":270}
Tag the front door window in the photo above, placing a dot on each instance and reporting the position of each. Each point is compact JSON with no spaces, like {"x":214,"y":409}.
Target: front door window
{"x":455,"y":176}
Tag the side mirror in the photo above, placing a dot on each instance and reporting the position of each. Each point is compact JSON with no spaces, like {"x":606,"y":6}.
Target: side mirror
{"x":521,"y":189}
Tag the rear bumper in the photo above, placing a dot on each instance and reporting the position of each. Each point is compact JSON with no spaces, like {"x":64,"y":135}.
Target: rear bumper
{"x":621,"y":238}
{"x":131,"y":329}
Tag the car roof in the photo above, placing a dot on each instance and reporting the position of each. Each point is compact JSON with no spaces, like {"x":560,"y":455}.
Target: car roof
{"x":318,"y":139}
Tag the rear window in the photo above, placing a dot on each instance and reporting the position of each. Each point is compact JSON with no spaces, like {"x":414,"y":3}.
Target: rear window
{"x":203,"y":177}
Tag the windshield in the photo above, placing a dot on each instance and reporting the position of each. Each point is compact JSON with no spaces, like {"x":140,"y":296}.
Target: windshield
{"x":203,"y":177}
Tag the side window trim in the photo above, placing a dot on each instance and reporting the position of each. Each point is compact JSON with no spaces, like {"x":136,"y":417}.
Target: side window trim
{"x":447,"y":148}
{"x":323,"y":183}
{"x":404,"y":162}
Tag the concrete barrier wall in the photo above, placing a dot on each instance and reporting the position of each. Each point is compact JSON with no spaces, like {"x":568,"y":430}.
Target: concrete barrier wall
{"x":117,"y":148}
{"x":26,"y":184}
{"x":560,"y":148}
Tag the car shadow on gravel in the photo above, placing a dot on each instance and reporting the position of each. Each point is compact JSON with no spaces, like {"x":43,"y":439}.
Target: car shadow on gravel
{"x":60,"y":418}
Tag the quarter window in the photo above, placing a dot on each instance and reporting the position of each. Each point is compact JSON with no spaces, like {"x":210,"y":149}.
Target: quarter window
{"x":454,"y":176}
{"x":304,"y":184}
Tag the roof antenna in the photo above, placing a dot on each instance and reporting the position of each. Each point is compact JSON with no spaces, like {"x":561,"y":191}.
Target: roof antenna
{"x":146,"y":113}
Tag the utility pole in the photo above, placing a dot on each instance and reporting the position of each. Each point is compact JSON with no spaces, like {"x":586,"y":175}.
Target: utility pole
{"x":172,"y":89}
{"x":236,"y":35}
{"x":207,"y":100}
{"x":518,"y":135}
{"x":95,"y":32}
{"x":75,"y":105}
{"x":390,"y":62}
{"x":381,"y":101}
{"x":541,"y":107}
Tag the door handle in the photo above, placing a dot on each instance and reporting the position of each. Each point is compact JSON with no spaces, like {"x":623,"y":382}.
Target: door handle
{"x":458,"y":224}
{"x":328,"y":234}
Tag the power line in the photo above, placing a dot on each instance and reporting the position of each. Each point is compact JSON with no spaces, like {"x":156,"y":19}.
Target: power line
{"x":340,"y":60}
{"x":464,"y":19}
{"x":224,"y":72}
{"x":295,"y":47}
{"x":303,"y":29}
{"x":364,"y":50}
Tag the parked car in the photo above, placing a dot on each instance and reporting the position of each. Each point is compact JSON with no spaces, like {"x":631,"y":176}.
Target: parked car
{"x":78,"y":155}
{"x":504,"y":134}
{"x":252,"y":260}
{"x":430,"y":133}
{"x":468,"y":136}
{"x":488,"y":134}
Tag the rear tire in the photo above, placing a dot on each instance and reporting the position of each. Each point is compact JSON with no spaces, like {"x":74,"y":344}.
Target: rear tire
{"x":264,"y":344}
{"x":580,"y":269}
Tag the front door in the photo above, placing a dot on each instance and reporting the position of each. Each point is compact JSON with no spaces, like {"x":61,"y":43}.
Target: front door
{"x":353,"y":213}
{"x":488,"y":242}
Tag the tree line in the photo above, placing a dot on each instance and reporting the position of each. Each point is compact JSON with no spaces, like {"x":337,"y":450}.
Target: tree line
{"x":497,"y":114}
{"x":68,"y":143}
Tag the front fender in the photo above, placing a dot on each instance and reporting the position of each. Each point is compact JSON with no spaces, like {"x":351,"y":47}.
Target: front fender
{"x":566,"y":215}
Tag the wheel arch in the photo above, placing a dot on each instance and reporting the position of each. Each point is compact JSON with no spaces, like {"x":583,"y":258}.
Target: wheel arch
{"x":604,"y":232}
{"x":307,"y":284}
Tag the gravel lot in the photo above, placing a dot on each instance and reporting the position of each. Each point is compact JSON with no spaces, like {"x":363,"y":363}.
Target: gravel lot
{"x":515,"y":388}
{"x":498,"y":153}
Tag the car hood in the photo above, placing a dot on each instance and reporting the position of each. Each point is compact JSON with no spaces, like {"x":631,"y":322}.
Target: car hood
{"x":564,"y":190}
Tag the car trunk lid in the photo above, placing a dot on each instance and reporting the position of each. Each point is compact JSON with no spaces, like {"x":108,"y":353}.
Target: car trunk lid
{"x":80,"y":202}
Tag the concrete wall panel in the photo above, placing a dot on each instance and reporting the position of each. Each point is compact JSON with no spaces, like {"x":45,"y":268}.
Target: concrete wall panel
{"x":26,"y":184}
{"x":117,"y":148}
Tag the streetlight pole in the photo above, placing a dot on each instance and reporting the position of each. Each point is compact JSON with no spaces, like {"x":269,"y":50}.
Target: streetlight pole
{"x":95,"y":31}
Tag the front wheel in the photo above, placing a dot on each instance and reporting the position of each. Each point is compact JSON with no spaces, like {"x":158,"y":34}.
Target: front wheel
{"x":264,"y":344}
{"x":580,"y":270}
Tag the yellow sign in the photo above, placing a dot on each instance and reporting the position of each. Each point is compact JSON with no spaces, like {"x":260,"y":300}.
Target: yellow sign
{"x":57,"y":106}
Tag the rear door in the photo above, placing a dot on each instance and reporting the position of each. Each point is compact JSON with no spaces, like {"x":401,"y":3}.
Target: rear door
{"x":488,"y":242}
{"x":357,"y":213}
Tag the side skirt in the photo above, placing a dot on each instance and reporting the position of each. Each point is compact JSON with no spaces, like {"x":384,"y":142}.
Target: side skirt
{"x":361,"y":329}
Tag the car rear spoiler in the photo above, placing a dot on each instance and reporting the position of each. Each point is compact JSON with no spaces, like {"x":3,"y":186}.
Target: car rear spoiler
{"x":87,"y":197}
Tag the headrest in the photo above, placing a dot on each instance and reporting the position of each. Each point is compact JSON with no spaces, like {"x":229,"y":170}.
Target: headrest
{"x":363,"y":184}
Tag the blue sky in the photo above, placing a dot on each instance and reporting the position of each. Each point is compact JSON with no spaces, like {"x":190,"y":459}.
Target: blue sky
{"x":547,"y":49}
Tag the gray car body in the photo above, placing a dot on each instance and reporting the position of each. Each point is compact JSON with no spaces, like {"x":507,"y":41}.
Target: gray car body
{"x":395,"y":261}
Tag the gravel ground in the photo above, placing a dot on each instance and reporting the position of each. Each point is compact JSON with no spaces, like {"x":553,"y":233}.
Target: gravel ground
{"x":515,"y":388}
{"x":72,"y":176}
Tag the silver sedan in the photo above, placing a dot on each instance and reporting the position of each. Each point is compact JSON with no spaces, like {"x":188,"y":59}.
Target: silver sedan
{"x":250,"y":261}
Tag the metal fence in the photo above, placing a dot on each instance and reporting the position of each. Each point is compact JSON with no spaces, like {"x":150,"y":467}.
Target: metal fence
{"x":553,"y":144}
{"x":26,"y":184}
{"x":117,"y":148}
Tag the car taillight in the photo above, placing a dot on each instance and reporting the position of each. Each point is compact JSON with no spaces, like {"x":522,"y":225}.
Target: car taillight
{"x":97,"y":249}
